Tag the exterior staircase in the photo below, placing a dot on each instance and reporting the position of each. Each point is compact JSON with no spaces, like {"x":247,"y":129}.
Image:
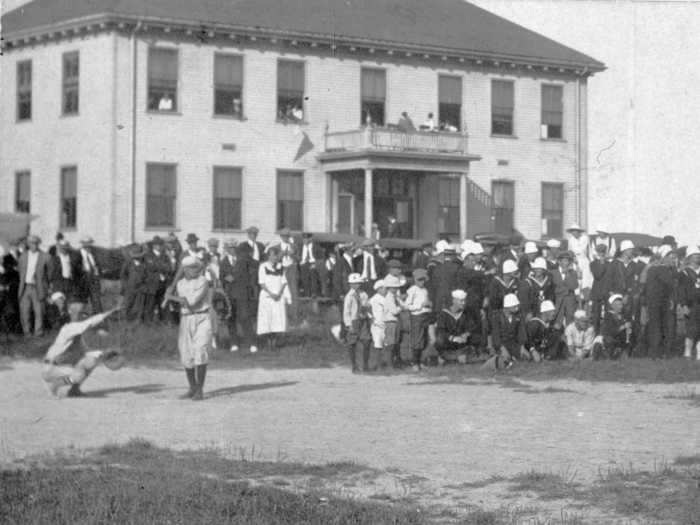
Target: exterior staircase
{"x":479,"y":211}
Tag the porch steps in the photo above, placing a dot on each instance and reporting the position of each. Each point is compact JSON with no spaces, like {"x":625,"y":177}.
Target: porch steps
{"x":479,"y":212}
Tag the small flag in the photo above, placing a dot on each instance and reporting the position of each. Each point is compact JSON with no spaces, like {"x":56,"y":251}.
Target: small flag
{"x":305,"y":146}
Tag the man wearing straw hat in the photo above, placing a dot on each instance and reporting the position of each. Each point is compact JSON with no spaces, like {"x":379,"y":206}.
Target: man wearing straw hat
{"x":68,"y":363}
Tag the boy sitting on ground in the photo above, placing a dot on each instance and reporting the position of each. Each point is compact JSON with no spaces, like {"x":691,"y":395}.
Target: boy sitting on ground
{"x":544,"y":341}
{"x":579,"y":336}
{"x":458,"y":330}
{"x":613,"y":341}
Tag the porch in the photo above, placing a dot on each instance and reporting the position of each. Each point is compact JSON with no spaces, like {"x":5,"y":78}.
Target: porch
{"x":405,"y":185}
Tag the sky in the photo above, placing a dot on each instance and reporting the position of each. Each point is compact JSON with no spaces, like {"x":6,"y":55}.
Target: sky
{"x":643,"y":110}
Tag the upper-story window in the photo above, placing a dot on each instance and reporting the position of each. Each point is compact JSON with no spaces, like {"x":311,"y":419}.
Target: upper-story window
{"x":373,"y":92}
{"x":23,"y":192}
{"x":290,"y":90}
{"x":502,"y":104}
{"x":71,"y":82}
{"x":552,"y":111}
{"x":24,"y":90}
{"x":228,"y":85}
{"x":450,"y":100}
{"x":162,"y":79}
{"x":69,"y":198}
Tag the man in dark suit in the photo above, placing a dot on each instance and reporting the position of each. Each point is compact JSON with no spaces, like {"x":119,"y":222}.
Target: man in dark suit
{"x":66,"y":273}
{"x":158,"y":269}
{"x":133,"y":278}
{"x":91,"y":274}
{"x":311,"y":266}
{"x":342,"y":269}
{"x":234,"y":272}
{"x":422,"y":258}
{"x":33,"y":286}
{"x":256,"y":249}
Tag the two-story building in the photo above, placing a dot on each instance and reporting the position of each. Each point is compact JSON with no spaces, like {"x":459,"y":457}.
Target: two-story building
{"x":127,"y":119}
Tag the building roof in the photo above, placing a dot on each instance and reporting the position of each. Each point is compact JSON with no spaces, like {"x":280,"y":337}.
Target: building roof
{"x":439,"y":25}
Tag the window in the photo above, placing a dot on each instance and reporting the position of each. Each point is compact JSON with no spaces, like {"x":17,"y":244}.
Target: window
{"x":290,"y":200}
{"x":373,"y":94}
{"x":448,"y":202}
{"x":552,"y":111}
{"x":552,"y":209}
{"x":69,"y":197}
{"x":24,"y":90}
{"x":228,"y":85}
{"x":502,"y":107}
{"x":71,"y":75}
{"x":162,"y":79}
{"x":503,"y":204}
{"x":450,"y":103}
{"x":227,"y":198}
{"x":161,"y":192}
{"x":23,"y":191}
{"x":290,"y":90}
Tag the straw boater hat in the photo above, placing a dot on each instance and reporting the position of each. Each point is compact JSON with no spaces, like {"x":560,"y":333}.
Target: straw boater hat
{"x":87,"y":240}
{"x":379,"y":284}
{"x":191,"y":262}
{"x":575,"y":228}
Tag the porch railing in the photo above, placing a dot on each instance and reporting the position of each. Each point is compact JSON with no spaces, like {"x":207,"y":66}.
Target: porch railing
{"x":386,"y":139}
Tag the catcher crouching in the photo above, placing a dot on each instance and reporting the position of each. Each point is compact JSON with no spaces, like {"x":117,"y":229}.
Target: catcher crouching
{"x":68,"y":362}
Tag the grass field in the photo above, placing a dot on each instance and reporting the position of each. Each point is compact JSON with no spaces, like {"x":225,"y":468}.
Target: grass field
{"x":142,"y":484}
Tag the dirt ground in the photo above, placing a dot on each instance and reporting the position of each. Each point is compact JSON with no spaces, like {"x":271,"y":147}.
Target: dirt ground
{"x":429,"y":436}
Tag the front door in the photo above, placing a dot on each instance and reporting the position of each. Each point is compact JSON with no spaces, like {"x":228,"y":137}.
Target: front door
{"x":394,"y":216}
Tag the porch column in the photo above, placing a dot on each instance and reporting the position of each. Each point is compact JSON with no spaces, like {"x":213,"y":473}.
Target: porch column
{"x":463,"y":205}
{"x":368,"y":203}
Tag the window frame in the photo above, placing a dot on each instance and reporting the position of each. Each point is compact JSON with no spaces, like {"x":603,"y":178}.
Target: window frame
{"x":68,"y":84}
{"x":460,"y":123}
{"x":217,"y":169}
{"x":173,"y":225}
{"x":384,"y":102}
{"x":176,"y":98}
{"x":241,"y":115}
{"x":18,"y":175}
{"x":543,"y":135}
{"x":546,"y":212}
{"x":278,"y":201}
{"x":454,"y":196}
{"x":512,"y":112}
{"x":63,"y":225}
{"x":23,"y":89}
{"x":287,"y":118}
{"x":511,"y":184}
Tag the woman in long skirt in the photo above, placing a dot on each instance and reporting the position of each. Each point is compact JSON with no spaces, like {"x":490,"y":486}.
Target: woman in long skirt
{"x":274,"y":297}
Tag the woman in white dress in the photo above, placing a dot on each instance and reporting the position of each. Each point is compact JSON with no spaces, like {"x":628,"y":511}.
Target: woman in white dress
{"x":579,"y":245}
{"x":274,"y":297}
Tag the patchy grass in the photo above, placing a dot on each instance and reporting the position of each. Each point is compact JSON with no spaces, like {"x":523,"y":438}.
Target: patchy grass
{"x":492,"y":480}
{"x":686,"y":394}
{"x":688,"y":461}
{"x":140,"y":483}
{"x":547,"y":485}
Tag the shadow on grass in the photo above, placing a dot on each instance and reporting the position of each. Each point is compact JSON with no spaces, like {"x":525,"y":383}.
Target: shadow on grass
{"x":232,"y":390}
{"x":150,"y":388}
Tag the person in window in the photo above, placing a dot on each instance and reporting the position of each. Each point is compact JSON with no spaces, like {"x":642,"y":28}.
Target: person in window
{"x":237,"y":107}
{"x":446,"y":126}
{"x":429,"y":124}
{"x":165,"y":103}
{"x":297,"y":113}
{"x":274,"y":297}
{"x":405,"y":124}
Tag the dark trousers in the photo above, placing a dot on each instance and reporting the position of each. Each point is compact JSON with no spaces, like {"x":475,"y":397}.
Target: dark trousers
{"x":310,"y":280}
{"x":240,"y":323}
{"x":661,"y":329}
{"x":135,"y":304}
{"x":94,"y":292}
{"x":597,"y":310}
{"x":419,"y":335}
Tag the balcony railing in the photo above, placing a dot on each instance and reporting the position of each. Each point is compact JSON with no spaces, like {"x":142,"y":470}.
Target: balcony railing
{"x":386,"y":139}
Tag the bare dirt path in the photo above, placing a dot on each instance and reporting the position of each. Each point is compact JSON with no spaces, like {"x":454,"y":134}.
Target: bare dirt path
{"x":446,"y":433}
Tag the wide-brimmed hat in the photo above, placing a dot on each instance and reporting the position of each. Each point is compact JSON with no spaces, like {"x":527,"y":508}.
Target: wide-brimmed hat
{"x":419,"y":273}
{"x":213,"y":242}
{"x":393,"y":263}
{"x":553,"y":243}
{"x":136,"y":252}
{"x":458,"y":294}
{"x":191,"y":237}
{"x":566,"y":254}
{"x":575,"y":228}
{"x":87,"y":240}
{"x":190,"y":261}
{"x":355,"y":278}
{"x":33,"y":239}
{"x":391,"y":281}
{"x":253,"y":229}
{"x":379,"y":284}
{"x":510,"y":301}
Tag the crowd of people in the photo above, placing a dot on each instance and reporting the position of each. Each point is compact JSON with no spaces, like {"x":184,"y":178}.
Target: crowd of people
{"x":452,"y":302}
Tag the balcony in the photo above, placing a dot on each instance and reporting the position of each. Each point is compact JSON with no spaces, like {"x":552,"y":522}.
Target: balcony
{"x":392,"y":140}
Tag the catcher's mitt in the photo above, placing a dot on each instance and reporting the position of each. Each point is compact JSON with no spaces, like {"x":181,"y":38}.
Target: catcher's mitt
{"x":107,"y":343}
{"x":113,"y":359}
